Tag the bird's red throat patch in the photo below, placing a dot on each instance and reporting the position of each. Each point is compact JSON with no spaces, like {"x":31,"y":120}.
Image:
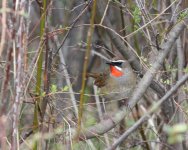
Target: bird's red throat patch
{"x":115,"y":71}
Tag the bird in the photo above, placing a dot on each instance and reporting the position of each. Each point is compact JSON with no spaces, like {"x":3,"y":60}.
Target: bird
{"x":117,"y":82}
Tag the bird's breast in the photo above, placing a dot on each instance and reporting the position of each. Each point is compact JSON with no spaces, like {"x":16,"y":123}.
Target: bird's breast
{"x":118,"y":88}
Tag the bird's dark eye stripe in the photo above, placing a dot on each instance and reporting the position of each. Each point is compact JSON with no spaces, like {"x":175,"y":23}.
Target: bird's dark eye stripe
{"x":117,"y":64}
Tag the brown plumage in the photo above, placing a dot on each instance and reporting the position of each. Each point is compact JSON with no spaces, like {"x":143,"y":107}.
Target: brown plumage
{"x":100,"y":78}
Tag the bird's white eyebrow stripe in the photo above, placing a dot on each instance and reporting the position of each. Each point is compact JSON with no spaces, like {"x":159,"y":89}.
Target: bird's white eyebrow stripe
{"x":118,"y":61}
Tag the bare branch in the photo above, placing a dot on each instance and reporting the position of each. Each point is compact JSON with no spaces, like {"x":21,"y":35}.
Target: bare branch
{"x":151,"y":110}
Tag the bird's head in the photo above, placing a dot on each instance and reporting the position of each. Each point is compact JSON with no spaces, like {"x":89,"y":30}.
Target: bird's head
{"x":118,"y":67}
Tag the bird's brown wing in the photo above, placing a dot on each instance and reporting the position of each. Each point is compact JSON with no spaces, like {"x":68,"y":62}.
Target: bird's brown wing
{"x":100,"y":78}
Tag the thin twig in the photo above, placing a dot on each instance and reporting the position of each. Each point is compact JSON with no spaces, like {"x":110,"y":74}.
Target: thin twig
{"x":131,"y":34}
{"x":66,"y":74}
{"x":86,"y":60}
{"x":71,"y":26}
{"x":4,"y":26}
{"x":105,"y":11}
{"x":100,"y":113}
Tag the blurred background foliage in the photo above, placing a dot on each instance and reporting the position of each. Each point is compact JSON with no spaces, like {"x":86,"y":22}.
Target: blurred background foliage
{"x":42,"y":54}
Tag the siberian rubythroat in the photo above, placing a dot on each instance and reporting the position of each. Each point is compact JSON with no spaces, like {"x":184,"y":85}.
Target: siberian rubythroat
{"x":118,"y":82}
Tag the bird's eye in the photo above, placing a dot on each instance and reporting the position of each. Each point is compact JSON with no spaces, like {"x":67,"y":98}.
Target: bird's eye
{"x":119,"y":64}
